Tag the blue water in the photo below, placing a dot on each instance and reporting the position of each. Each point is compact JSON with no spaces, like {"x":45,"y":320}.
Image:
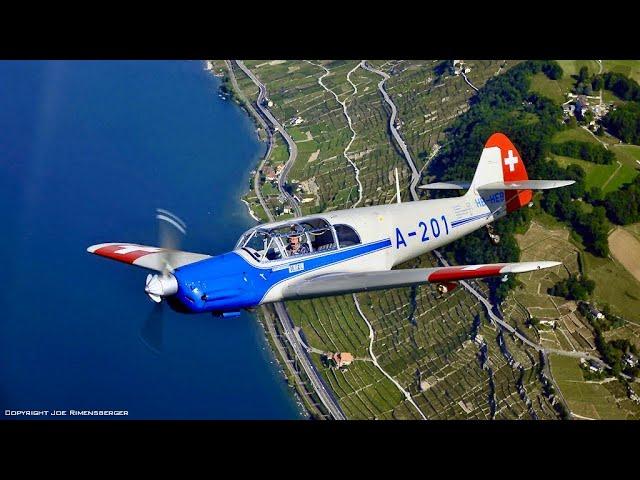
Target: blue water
{"x":88,"y":150}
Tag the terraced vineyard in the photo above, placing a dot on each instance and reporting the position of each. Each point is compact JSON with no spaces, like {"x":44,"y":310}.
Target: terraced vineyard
{"x":442,"y":350}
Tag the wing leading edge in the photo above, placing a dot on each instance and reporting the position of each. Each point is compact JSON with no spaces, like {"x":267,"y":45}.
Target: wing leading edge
{"x":340,"y":283}
{"x":144,"y":256}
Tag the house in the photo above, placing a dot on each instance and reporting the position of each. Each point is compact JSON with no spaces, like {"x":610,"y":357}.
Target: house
{"x":595,"y":367}
{"x":269,"y":173}
{"x":630,"y":360}
{"x":595,"y":312}
{"x":569,"y":109}
{"x":340,"y":359}
{"x":582,"y":105}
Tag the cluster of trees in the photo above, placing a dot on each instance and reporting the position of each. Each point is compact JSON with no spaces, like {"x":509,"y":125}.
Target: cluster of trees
{"x":624,"y":122}
{"x":584,"y":150}
{"x":592,"y":226}
{"x":604,"y":324}
{"x":623,"y":205}
{"x":553,"y":70}
{"x":613,"y":351}
{"x":624,"y":87}
{"x":573,"y":288}
{"x":584,"y":82}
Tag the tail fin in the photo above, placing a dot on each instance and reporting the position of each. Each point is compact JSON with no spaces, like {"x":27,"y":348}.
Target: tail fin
{"x":501,"y":178}
{"x":500,"y":163}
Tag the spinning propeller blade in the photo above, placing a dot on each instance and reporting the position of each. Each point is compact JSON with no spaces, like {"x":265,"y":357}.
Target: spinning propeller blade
{"x":171,"y":230}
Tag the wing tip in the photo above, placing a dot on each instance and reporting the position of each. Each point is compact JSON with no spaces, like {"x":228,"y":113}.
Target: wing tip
{"x":93,"y":248}
{"x":523,"y":267}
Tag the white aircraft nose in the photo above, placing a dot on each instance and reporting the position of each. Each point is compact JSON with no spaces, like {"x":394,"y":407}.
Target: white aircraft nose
{"x":158,"y":286}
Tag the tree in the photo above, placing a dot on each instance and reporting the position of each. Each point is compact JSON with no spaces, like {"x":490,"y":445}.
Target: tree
{"x":624,"y":122}
{"x":552,"y":70}
{"x":597,"y":83}
{"x":583,"y":74}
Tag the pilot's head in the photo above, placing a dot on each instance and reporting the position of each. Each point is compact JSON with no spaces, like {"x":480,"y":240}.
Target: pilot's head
{"x":294,"y":242}
{"x":294,"y":239}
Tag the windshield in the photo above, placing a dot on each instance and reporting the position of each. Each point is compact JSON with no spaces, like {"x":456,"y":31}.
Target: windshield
{"x":289,"y":239}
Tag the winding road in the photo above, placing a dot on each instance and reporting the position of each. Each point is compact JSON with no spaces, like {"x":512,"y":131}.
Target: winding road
{"x":464,"y":75}
{"x":293,"y":148}
{"x":406,"y":394}
{"x":415,"y":175}
{"x":349,"y":121}
{"x":324,"y":392}
{"x":256,"y":176}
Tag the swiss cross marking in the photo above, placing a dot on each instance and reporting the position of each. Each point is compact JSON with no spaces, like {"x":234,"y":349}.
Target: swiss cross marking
{"x":511,"y":161}
{"x":135,"y":248}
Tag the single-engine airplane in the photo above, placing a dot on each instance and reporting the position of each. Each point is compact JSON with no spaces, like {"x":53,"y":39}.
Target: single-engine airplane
{"x":342,"y":251}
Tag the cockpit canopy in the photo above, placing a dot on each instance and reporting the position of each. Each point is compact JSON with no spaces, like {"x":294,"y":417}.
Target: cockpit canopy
{"x":302,"y":237}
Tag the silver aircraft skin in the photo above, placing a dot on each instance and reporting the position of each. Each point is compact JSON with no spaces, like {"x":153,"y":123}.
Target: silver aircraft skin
{"x":342,"y":251}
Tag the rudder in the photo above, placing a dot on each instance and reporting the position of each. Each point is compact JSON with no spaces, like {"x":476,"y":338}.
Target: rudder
{"x":501,"y":162}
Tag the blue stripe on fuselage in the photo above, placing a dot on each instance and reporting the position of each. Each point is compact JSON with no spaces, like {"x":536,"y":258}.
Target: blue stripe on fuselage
{"x":231,"y":282}
{"x":457,"y":223}
{"x":312,"y":263}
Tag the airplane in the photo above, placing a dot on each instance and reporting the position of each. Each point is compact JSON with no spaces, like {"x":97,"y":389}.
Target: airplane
{"x":339,"y":252}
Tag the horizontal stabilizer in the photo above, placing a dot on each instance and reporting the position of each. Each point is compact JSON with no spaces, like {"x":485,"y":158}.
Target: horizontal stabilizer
{"x":445,"y":186}
{"x":340,"y":283}
{"x":526,"y":185}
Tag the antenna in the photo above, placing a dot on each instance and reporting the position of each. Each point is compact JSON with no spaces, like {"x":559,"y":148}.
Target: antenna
{"x":398,"y":187}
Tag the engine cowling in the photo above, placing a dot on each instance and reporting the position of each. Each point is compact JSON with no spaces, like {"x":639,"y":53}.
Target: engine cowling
{"x":158,"y":286}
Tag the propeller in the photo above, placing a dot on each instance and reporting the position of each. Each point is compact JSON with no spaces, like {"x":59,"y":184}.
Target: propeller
{"x":152,"y":330}
{"x":171,"y":230}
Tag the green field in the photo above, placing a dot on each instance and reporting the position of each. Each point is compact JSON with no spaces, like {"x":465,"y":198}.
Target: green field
{"x":590,"y":400}
{"x":572,"y":67}
{"x":554,"y":89}
{"x":630,"y":68}
{"x":576,"y":133}
{"x":614,"y":285}
{"x":598,"y":175}
{"x":607,"y":177}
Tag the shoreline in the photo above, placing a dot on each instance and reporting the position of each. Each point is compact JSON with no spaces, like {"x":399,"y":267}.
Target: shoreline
{"x":249,"y":209}
{"x":303,"y":409}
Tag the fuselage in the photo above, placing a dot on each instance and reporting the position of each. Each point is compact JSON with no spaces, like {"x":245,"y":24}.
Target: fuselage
{"x":387,"y":235}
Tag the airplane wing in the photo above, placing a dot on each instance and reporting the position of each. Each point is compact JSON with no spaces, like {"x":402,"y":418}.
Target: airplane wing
{"x":340,"y":283}
{"x":144,"y":256}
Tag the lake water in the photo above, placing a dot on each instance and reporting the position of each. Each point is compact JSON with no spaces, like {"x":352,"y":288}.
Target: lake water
{"x":88,"y":150}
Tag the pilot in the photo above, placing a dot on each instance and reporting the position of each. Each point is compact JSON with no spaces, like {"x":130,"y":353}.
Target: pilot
{"x":296,"y":247}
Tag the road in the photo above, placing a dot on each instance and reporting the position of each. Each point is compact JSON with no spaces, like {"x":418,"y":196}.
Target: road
{"x":489,"y":307}
{"x":293,"y":148}
{"x":406,"y":394}
{"x":345,"y":112}
{"x":256,"y":176}
{"x":544,"y":351}
{"x":415,"y":175}
{"x":464,"y":75}
{"x":324,"y":393}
